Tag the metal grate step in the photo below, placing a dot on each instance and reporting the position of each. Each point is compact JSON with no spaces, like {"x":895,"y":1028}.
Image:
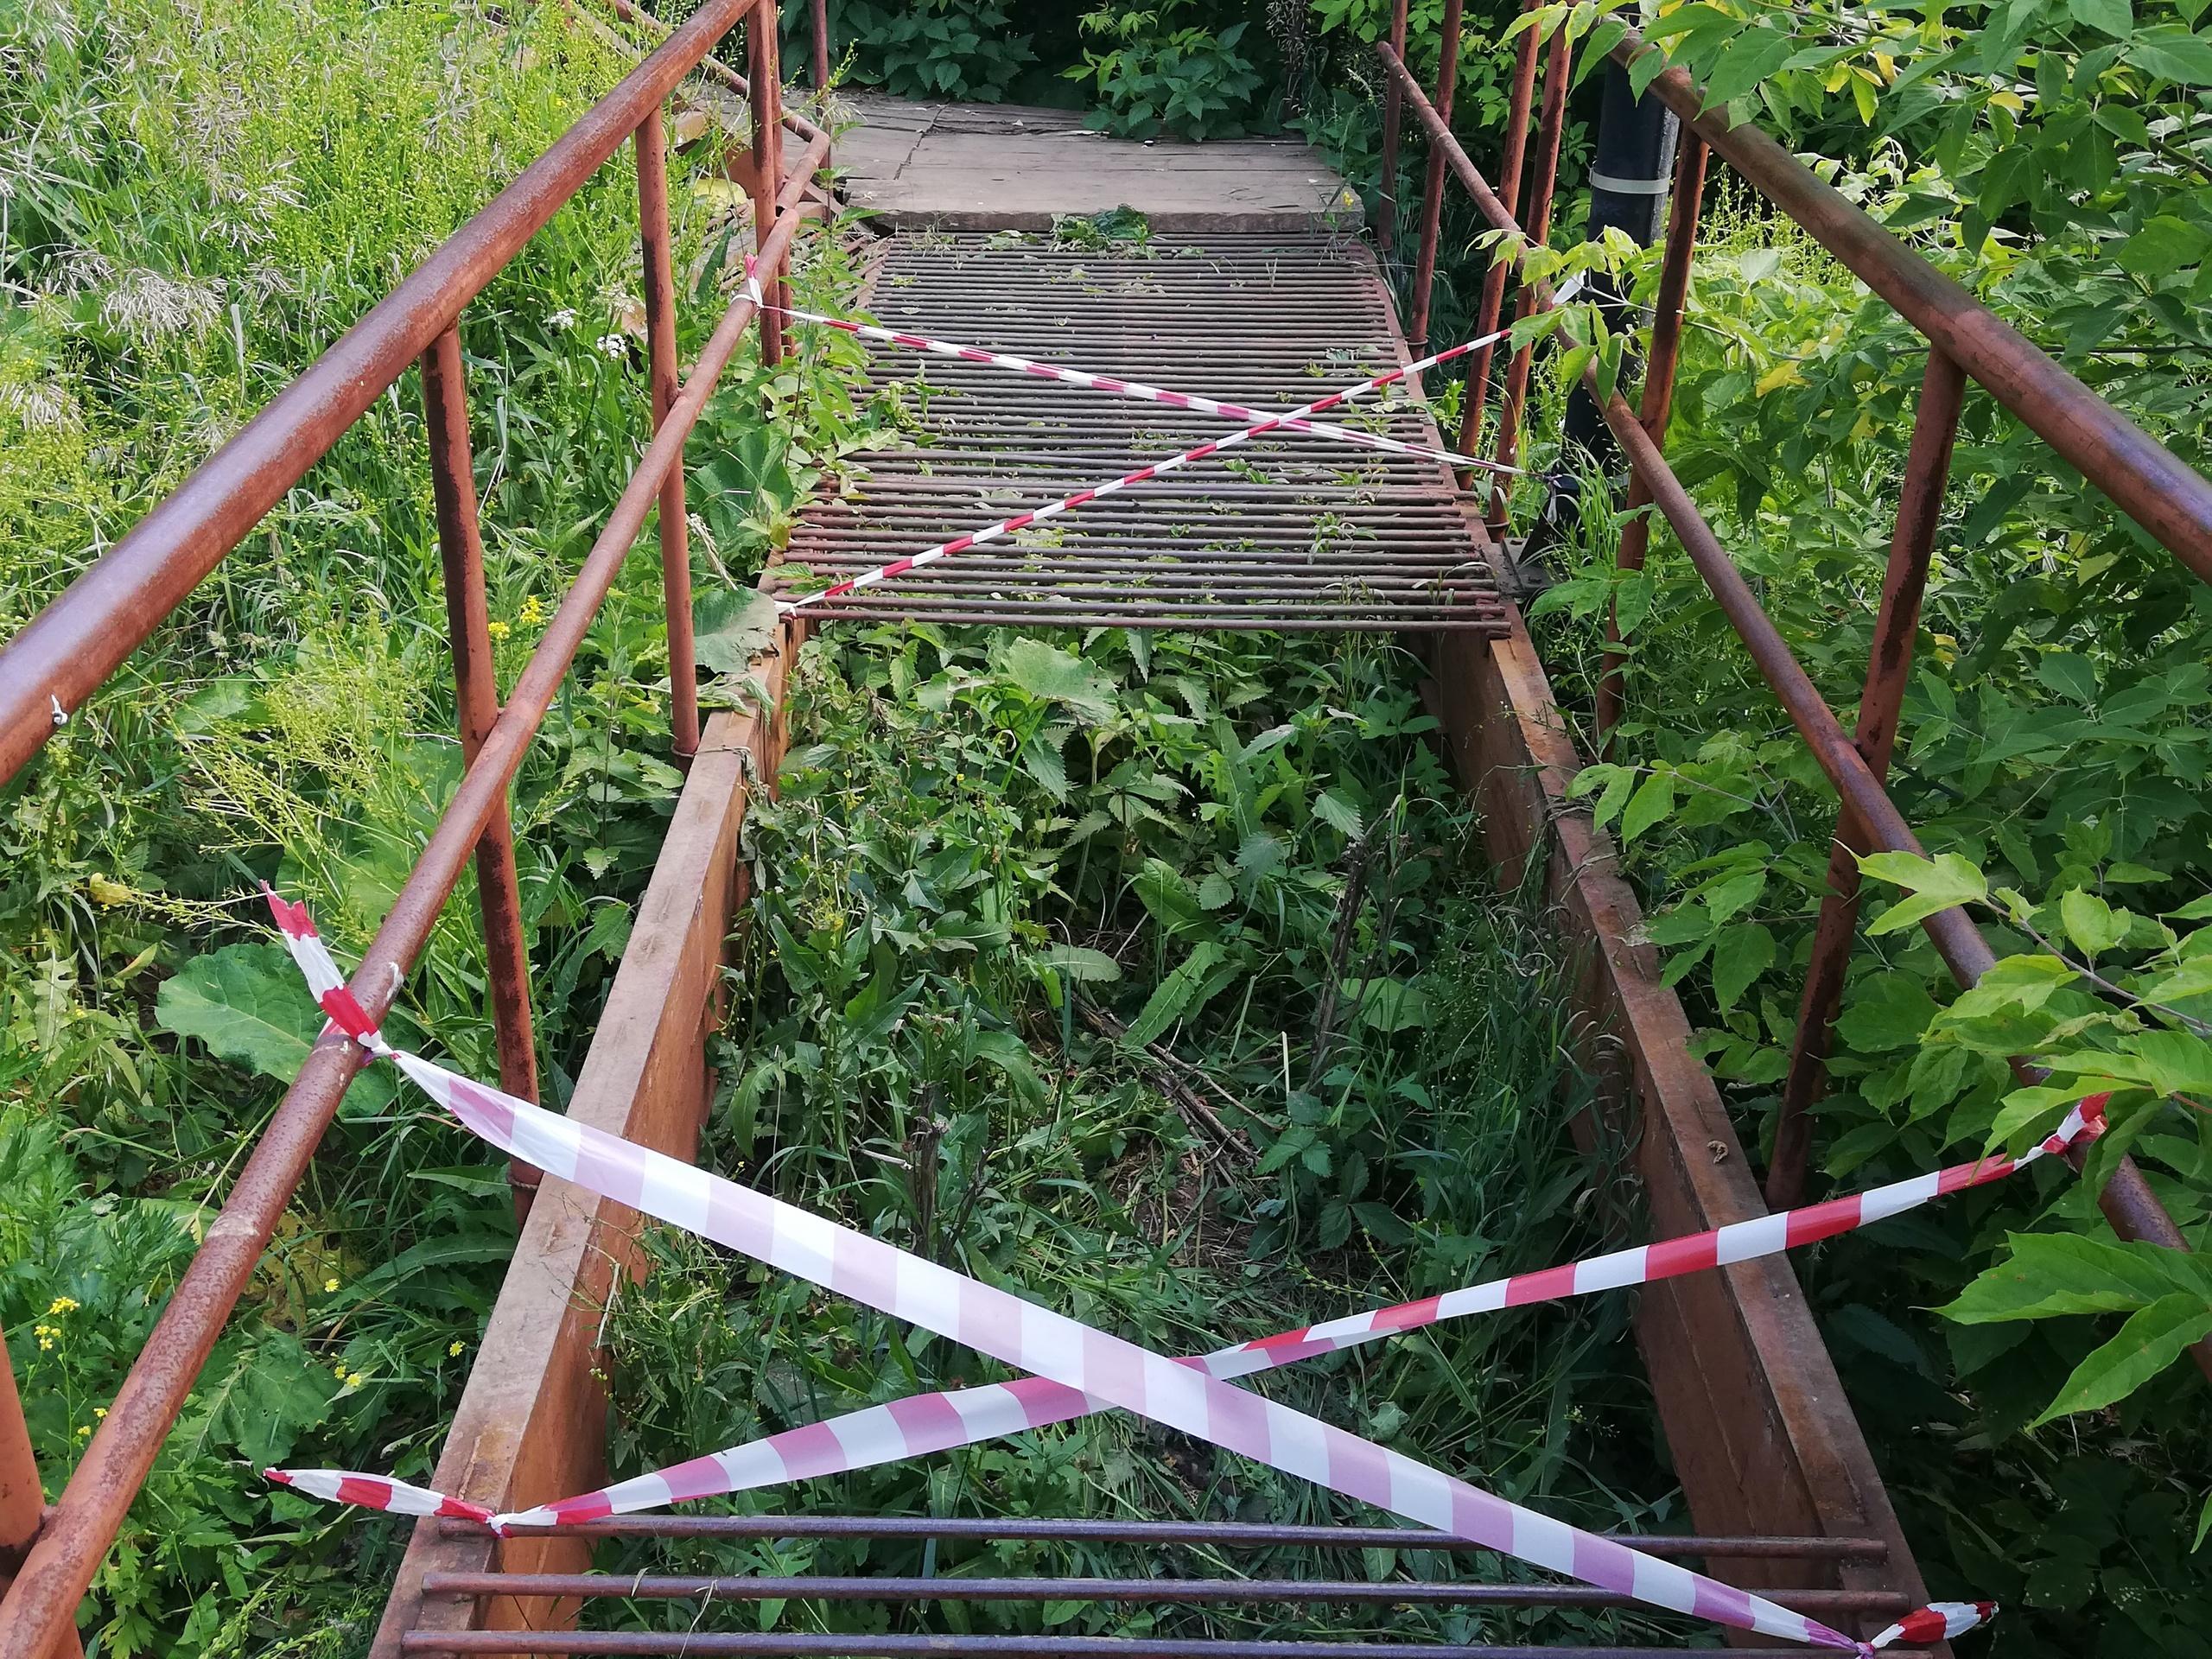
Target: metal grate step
{"x":1287,"y":532}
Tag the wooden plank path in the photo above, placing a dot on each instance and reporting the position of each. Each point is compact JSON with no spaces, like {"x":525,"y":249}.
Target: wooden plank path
{"x":1001,"y":167}
{"x":1289,"y":531}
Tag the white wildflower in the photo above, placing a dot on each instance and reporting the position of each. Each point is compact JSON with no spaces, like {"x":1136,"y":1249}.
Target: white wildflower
{"x":614,"y":345}
{"x":562,"y":321}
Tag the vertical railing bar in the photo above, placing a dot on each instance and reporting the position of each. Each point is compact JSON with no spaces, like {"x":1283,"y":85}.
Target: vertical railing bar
{"x":476,"y":698}
{"x":766,"y":99}
{"x":1493,"y":300}
{"x":663,"y":371}
{"x":1920,"y":510}
{"x":1432,"y":201}
{"x":22,"y":1496}
{"x":1386,"y":210}
{"x":1658,"y":401}
{"x":1538,"y":223}
{"x":821,"y":45}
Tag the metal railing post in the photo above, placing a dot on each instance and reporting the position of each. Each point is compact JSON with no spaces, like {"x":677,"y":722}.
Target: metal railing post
{"x":1386,"y":209}
{"x":1658,"y":401}
{"x":1549,"y":130}
{"x":1432,"y":201}
{"x":766,"y":97}
{"x":1493,"y":300}
{"x":663,"y":368}
{"x":476,"y":698}
{"x":22,"y":1496}
{"x":821,"y":45}
{"x":1920,"y":509}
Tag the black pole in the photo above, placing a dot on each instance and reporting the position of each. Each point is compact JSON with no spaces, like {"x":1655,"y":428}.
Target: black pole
{"x":1628,"y":182}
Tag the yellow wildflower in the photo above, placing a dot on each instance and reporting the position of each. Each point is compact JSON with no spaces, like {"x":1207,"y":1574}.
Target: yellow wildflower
{"x":532,"y":612}
{"x":84,"y":1431}
{"x":498,"y":630}
{"x":329,"y":1284}
{"x":339,"y":1371}
{"x":354,"y":1380}
{"x":100,"y":1412}
{"x":455,"y":1352}
{"x":62,"y":1304}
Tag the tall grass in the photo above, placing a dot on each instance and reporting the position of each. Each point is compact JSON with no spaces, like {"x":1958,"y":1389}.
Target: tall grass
{"x":196,"y":198}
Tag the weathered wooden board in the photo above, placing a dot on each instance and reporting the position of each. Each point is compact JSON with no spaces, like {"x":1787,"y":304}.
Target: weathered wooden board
{"x":1764,"y":1438}
{"x":531,"y":1425}
{"x":1007,"y":167}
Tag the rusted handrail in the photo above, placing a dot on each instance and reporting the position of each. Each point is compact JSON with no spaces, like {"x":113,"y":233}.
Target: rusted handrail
{"x":2163,"y":494}
{"x":83,"y":635}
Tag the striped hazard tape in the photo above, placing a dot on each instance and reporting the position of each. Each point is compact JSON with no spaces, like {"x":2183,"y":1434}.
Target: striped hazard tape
{"x":1138,"y":391}
{"x":1259,"y":427}
{"x":903,"y":1428}
{"x":1093,"y":1368}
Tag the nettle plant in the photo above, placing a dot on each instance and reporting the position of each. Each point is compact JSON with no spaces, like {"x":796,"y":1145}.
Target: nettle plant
{"x":1152,"y":78}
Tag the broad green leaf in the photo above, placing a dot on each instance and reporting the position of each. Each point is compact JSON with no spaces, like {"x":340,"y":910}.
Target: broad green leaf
{"x":2093,"y":925}
{"x":1932,"y":886}
{"x":1387,"y":1004}
{"x":2050,"y":1274}
{"x":2069,"y":676}
{"x":1382,"y":1224}
{"x":2173,"y":52}
{"x":730,"y":626}
{"x":1739,"y":956}
{"x":1744,"y":62}
{"x":268,"y":1395}
{"x":1163,"y":891}
{"x":1337,"y":812}
{"x":1042,"y":761}
{"x":1045,"y":670}
{"x":248,"y":1005}
{"x":2153,"y":1339}
{"x":1884,"y":1012}
{"x":2179,"y":1062}
{"x":1174,"y":996}
{"x":1080,"y":964}
{"x":2165,"y":244}
{"x":2113,"y":18}
{"x":1653,"y":800}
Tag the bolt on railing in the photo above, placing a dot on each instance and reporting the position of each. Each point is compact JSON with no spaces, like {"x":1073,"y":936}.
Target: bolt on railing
{"x":1966,"y":341}
{"x":77,"y":641}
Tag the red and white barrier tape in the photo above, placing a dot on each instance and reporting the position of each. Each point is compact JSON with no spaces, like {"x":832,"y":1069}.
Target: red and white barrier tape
{"x":1021,"y":521}
{"x":1051,"y":1347}
{"x":939,"y":1423}
{"x":1138,"y":391}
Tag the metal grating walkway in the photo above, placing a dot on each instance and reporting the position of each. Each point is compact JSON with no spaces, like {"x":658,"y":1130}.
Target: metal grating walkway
{"x":1289,"y":531}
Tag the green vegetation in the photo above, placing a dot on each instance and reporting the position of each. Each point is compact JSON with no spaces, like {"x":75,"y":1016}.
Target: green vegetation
{"x":2043,"y":1442}
{"x":1185,"y":839}
{"x":197,"y":201}
{"x":1160,"y":975}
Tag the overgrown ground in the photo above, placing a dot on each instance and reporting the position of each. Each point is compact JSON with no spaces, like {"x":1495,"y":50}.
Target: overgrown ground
{"x":194,"y":201}
{"x":1032,"y":930}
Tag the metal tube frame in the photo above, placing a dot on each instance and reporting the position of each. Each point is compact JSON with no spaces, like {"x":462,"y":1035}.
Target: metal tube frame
{"x":82,"y":636}
{"x":476,"y":698}
{"x":2148,"y":482}
{"x":1493,"y":300}
{"x":1432,"y":202}
{"x":1658,"y":401}
{"x":1386,"y":209}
